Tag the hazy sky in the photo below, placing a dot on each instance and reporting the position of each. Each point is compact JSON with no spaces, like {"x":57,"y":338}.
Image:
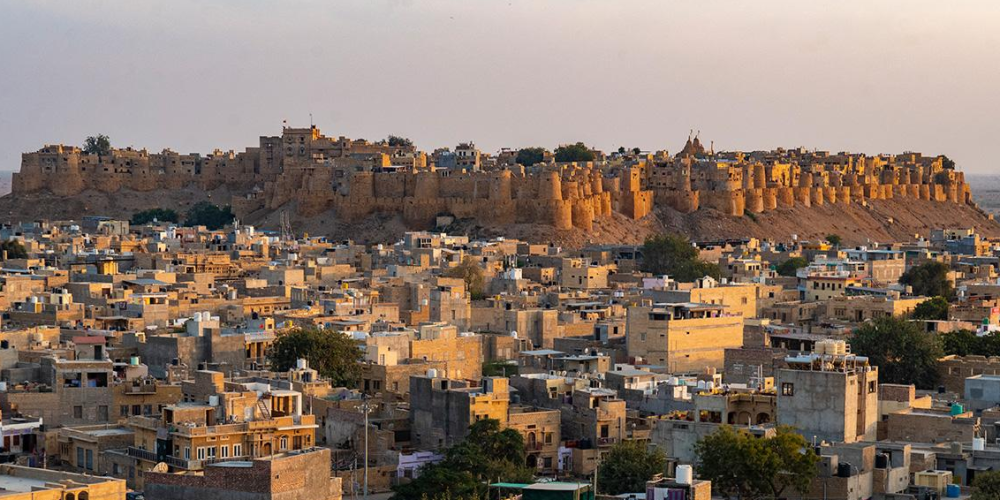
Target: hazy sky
{"x":193,"y":75}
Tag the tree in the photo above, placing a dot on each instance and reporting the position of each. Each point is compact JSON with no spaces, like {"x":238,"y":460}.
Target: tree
{"x":438,"y":482}
{"x":791,"y":266}
{"x":636,"y":151}
{"x":157,"y":214}
{"x":674,"y":256}
{"x":472,"y":274}
{"x":574,"y":152}
{"x":930,"y":280}
{"x":399,"y":142}
{"x":966,"y":342}
{"x":14,"y":249}
{"x":499,"y":368}
{"x":986,"y":486}
{"x":903,"y":352}
{"x":834,"y":239}
{"x":207,"y":214}
{"x":628,"y":466}
{"x":97,"y":145}
{"x":741,"y":465}
{"x":932,"y":309}
{"x":948,"y":163}
{"x":530,"y":156}
{"x":333,"y":354}
{"x":487,"y":454}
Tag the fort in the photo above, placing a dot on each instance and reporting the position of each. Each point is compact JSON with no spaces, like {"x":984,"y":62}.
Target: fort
{"x":314,"y":173}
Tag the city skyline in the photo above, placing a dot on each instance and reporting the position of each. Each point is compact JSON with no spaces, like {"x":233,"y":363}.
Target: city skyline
{"x":504,"y":74}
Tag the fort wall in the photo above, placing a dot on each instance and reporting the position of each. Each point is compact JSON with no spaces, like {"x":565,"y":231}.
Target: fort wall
{"x":354,"y":180}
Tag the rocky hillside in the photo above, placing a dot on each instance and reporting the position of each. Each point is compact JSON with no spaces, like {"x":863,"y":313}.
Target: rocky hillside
{"x":878,"y":220}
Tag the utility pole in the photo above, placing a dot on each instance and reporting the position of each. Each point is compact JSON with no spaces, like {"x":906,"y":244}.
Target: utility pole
{"x":365,"y":409}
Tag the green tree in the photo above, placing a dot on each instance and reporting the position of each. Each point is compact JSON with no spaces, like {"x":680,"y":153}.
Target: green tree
{"x":741,"y":465}
{"x":986,"y":486}
{"x":399,"y":142}
{"x":98,"y":145}
{"x":472,"y":274}
{"x":961,"y":343}
{"x":932,"y":309}
{"x":790,"y":266}
{"x":948,"y":163}
{"x":674,"y":256}
{"x":628,"y":466}
{"x":438,"y":482}
{"x":487,"y":454}
{"x":636,"y":151}
{"x":499,"y":369}
{"x":930,"y":280}
{"x":903,"y":353}
{"x":205,"y":213}
{"x":158,"y":214}
{"x":333,"y":354}
{"x":530,"y":156}
{"x":14,"y":249}
{"x":966,"y":343}
{"x":834,"y":239}
{"x":574,"y":152}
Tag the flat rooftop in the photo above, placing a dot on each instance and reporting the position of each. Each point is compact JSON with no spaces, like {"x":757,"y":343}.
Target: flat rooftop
{"x":17,"y":484}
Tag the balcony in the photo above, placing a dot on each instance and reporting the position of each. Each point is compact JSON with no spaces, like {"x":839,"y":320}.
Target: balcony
{"x":606,"y":441}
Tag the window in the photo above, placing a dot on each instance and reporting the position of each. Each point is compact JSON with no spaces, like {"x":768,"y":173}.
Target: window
{"x":872,"y":387}
{"x":102,"y":413}
{"x":90,"y":459}
{"x":237,"y":450}
{"x":787,"y":389}
{"x":187,"y":453}
{"x":77,"y":412}
{"x":124,"y":410}
{"x":211,"y":452}
{"x":284,"y":442}
{"x":224,"y":451}
{"x":79,"y":457}
{"x":201,"y":453}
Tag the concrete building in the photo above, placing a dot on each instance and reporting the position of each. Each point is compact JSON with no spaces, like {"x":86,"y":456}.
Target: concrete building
{"x":295,"y":475}
{"x":829,"y":396}
{"x":982,"y":392}
{"x":682,"y":338}
{"x":441,"y":410}
{"x":30,"y":483}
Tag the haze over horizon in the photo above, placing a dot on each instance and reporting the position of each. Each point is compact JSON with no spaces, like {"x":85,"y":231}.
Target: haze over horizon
{"x":872,"y":77}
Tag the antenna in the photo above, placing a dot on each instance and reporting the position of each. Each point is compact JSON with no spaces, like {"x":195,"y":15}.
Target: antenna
{"x":311,"y":121}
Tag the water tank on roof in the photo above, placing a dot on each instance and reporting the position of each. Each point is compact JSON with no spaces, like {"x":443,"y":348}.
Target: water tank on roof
{"x":844,"y":469}
{"x":213,"y":400}
{"x":978,"y":444}
{"x":952,"y":491}
{"x":685,"y":475}
{"x":432,"y":373}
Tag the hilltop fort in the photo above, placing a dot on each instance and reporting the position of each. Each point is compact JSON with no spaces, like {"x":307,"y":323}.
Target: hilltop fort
{"x":309,"y":173}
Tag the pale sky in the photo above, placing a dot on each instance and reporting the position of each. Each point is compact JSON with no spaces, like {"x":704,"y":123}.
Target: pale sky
{"x":869,"y":75}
